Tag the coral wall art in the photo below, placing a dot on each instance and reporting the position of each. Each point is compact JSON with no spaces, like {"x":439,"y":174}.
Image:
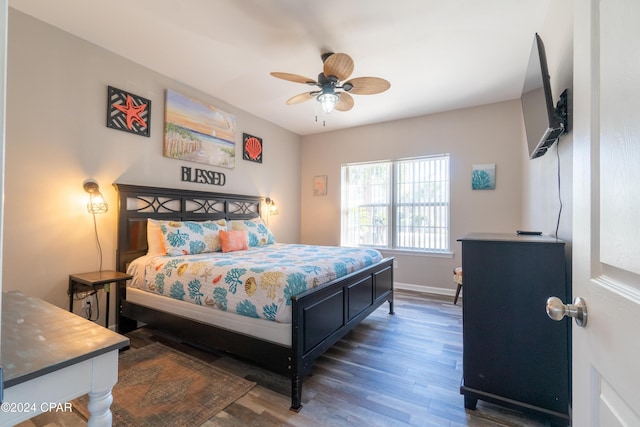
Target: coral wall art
{"x":251,"y":148}
{"x":483,"y":177}
{"x":128,"y":112}
{"x":198,"y":132}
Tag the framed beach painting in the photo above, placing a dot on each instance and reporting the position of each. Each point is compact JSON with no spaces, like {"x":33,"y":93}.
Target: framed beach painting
{"x":197,"y":132}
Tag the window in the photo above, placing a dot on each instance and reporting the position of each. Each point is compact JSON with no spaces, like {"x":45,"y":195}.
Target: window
{"x":402,"y":204}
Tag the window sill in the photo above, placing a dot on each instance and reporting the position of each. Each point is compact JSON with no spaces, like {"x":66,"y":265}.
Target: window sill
{"x":416,"y":253}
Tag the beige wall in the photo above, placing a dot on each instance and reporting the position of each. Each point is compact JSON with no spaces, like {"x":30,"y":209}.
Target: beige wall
{"x":57,"y":137}
{"x":487,"y":134}
{"x":4,"y":10}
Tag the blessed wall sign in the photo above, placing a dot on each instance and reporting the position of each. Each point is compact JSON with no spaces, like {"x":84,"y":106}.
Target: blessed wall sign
{"x":203,"y":176}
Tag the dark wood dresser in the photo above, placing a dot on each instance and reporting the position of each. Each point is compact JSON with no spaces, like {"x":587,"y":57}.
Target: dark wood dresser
{"x":514,"y":355}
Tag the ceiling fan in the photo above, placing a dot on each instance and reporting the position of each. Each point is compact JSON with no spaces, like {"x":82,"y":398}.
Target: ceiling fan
{"x":334,"y":91}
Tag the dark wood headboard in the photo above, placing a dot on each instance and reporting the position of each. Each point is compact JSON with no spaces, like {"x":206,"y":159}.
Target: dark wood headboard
{"x":137,"y":203}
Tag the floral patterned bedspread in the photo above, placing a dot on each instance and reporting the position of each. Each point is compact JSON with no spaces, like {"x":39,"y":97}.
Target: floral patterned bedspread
{"x":257,"y":282}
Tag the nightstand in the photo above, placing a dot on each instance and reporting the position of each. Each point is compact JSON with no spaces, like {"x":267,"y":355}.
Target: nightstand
{"x":95,"y":280}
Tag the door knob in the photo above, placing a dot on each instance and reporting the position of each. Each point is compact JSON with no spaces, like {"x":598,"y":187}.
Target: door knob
{"x":556,"y":310}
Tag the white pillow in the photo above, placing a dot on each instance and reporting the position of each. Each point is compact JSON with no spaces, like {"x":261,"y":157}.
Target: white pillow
{"x":155,"y":241}
{"x":257,"y":232}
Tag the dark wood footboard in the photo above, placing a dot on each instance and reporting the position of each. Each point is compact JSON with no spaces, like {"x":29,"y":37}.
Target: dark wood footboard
{"x":323,"y":316}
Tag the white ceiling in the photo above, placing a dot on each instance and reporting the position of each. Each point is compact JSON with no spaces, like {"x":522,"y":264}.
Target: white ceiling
{"x":439,"y":55}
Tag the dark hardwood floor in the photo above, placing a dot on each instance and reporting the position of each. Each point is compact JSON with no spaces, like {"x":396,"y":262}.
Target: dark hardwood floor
{"x":400,"y":370}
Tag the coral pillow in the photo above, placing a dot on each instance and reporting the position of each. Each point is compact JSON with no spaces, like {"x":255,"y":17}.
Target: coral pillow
{"x":234,"y":240}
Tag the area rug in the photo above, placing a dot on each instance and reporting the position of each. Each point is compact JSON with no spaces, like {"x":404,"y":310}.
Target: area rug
{"x":158,"y":386}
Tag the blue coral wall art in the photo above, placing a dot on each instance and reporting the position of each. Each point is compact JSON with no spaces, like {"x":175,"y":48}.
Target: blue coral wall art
{"x":483,"y":177}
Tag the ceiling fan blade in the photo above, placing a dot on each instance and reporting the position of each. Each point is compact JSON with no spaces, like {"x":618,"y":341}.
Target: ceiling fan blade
{"x":339,"y":65}
{"x":300,"y":98}
{"x":368,"y":85}
{"x":294,"y":78}
{"x":345,"y":103}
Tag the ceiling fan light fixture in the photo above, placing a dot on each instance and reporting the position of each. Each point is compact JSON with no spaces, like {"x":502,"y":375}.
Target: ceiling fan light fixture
{"x":328,"y":101}
{"x":337,"y":67}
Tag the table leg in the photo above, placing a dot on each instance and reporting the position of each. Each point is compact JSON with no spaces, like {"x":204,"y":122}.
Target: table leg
{"x":70,"y":292}
{"x":107,"y":294}
{"x":104,"y":377}
{"x":100,"y":409}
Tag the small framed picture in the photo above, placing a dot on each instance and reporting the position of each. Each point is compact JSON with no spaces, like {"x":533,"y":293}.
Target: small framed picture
{"x":128,"y":112}
{"x":483,"y":177}
{"x":320,"y":185}
{"x":251,"y":148}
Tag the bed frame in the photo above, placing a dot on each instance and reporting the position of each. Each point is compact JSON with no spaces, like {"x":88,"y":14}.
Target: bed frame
{"x":320,"y":317}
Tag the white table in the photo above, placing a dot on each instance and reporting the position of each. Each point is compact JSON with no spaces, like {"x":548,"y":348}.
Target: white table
{"x":50,"y":356}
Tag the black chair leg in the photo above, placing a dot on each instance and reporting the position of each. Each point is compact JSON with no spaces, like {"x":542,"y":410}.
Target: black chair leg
{"x":455,"y":300}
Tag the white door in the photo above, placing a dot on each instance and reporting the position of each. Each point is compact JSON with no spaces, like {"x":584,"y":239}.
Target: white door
{"x":606,"y":234}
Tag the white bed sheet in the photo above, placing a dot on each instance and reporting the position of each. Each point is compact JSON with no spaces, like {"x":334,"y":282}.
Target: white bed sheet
{"x":262,"y":329}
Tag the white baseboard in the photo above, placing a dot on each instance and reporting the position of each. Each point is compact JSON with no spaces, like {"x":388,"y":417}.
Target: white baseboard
{"x":426,"y":289}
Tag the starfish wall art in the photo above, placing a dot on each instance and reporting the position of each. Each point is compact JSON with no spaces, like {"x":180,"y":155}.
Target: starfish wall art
{"x":128,"y":112}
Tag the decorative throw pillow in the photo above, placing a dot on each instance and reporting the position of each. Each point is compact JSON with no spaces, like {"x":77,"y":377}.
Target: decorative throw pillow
{"x":155,"y":241}
{"x":257,"y":232}
{"x":233,"y":240}
{"x":191,"y":237}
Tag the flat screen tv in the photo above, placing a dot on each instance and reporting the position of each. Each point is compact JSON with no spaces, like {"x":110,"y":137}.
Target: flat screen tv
{"x":543,"y":122}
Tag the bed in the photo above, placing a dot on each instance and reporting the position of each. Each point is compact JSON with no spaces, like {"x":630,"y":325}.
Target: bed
{"x":316,"y":318}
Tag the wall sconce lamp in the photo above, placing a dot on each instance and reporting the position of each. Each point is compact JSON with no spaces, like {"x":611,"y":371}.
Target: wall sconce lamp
{"x":272,"y":209}
{"x":97,"y":204}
